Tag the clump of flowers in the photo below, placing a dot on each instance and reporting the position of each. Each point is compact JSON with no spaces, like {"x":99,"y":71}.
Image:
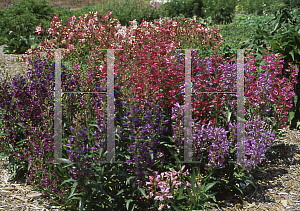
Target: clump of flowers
{"x":165,"y":186}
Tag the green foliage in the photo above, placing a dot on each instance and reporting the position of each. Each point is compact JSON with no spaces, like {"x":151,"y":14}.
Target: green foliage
{"x":203,"y":193}
{"x":239,"y":31}
{"x":186,"y":8}
{"x":18,"y":44}
{"x":258,"y":7}
{"x":251,"y":21}
{"x":281,"y":34}
{"x":220,"y":11}
{"x":22,"y":19}
{"x":292,"y":3}
{"x":105,"y":192}
{"x":126,"y":11}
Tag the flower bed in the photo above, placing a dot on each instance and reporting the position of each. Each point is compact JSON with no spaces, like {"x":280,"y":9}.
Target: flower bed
{"x":149,"y":105}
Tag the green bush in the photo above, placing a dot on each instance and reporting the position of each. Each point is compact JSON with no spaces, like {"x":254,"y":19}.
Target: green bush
{"x":237,"y":33}
{"x":21,"y":19}
{"x":17,"y":24}
{"x":220,"y":11}
{"x":259,"y":7}
{"x":126,"y":11}
{"x":186,"y":8}
{"x":292,"y":3}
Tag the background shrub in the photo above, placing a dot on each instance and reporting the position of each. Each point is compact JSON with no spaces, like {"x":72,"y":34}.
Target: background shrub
{"x":219,"y":11}
{"x":187,"y":8}
{"x":292,"y":3}
{"x":27,"y":14}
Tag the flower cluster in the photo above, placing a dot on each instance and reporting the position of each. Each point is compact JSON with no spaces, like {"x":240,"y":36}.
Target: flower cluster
{"x":270,"y":88}
{"x":159,"y":185}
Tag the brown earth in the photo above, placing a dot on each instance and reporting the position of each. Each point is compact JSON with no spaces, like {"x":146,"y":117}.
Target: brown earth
{"x":68,"y":4}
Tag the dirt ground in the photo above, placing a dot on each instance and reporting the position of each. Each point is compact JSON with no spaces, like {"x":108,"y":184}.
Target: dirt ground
{"x":69,"y":4}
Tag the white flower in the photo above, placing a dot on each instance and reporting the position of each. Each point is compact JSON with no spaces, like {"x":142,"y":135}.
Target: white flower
{"x":91,"y":21}
{"x":134,"y":24}
{"x":147,"y":32}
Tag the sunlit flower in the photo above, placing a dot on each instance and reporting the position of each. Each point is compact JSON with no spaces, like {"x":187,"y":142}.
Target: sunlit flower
{"x":38,"y":29}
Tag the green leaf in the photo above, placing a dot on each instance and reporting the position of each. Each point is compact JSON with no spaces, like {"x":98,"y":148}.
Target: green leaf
{"x":4,"y":134}
{"x":111,"y":184}
{"x":181,"y":197}
{"x":240,"y":119}
{"x":29,"y":166}
{"x":64,"y":160}
{"x":291,"y":115}
{"x":292,"y":54}
{"x":142,"y":191}
{"x":209,"y":186}
{"x":94,"y":125}
{"x":82,"y":203}
{"x":69,"y":180}
{"x":250,"y":181}
{"x":275,"y":45}
{"x":238,"y":189}
{"x":298,"y":124}
{"x":8,"y":49}
{"x":174,"y":207}
{"x":71,"y":164}
{"x":120,"y":191}
{"x":20,"y":125}
{"x":228,"y":115}
{"x":77,"y":196}
{"x":73,"y":189}
{"x":295,"y":99}
{"x":98,"y":187}
{"x":127,"y":203}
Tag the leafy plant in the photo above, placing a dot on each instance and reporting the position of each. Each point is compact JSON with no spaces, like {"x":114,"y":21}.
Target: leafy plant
{"x":184,"y":8}
{"x":219,"y":11}
{"x":21,"y":19}
{"x":292,"y":3}
{"x":281,"y":35}
{"x":19,"y":44}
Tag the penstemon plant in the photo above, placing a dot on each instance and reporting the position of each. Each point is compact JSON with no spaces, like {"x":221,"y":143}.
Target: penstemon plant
{"x":137,"y":40}
{"x":272,"y":90}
